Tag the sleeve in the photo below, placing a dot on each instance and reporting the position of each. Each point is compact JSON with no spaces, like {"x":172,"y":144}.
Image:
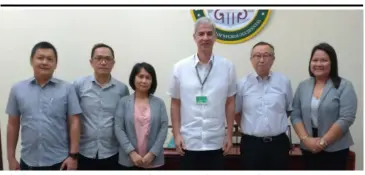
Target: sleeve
{"x":12,"y":107}
{"x":289,"y":96}
{"x":174,"y":86}
{"x":73,"y":103}
{"x":162,"y":134}
{"x":296,"y":115}
{"x":119,"y":128}
{"x":348,"y":107}
{"x":125,"y":91}
{"x":76,"y":85}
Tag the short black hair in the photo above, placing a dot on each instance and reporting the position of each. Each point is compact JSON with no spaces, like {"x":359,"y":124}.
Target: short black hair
{"x":330,"y":51}
{"x":99,"y":45}
{"x":149,"y":68}
{"x":43,"y":45}
{"x":263,"y":43}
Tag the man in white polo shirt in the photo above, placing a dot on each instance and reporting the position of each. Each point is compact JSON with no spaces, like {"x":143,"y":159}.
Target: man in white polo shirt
{"x":202,"y":93}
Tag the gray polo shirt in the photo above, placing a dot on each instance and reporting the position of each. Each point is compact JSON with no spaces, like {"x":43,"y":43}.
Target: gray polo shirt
{"x":43,"y":115}
{"x":98,"y":105}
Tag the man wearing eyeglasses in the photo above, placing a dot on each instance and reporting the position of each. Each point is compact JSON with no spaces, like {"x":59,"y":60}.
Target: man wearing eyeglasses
{"x":263,"y":104}
{"x":99,"y":94}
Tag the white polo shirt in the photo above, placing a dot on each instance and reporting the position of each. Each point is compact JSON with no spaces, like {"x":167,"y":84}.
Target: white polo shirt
{"x":203,"y":125}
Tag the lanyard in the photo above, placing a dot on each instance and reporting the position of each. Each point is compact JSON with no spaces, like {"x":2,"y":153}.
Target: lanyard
{"x":206,"y":77}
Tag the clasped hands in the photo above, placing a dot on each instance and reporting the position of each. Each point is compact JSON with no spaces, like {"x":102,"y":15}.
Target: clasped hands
{"x":139,"y":161}
{"x":313,"y":144}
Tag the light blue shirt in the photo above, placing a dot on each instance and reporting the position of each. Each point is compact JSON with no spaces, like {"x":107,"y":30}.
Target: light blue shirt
{"x":98,"y":105}
{"x":263,"y":104}
{"x":43,"y":112}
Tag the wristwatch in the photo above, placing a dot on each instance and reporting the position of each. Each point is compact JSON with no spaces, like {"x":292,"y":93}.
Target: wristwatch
{"x":74,"y":155}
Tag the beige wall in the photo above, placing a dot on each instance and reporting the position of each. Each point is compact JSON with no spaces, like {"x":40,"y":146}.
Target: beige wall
{"x":162,"y":37}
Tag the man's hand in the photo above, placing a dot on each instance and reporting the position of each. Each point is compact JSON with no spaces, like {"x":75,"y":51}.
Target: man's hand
{"x":13,"y":164}
{"x":179,"y":143}
{"x":69,"y":164}
{"x":147,"y":159}
{"x":227,"y":146}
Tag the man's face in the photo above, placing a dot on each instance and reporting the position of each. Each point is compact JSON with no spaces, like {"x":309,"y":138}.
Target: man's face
{"x":205,"y":37}
{"x":262,"y":58}
{"x":102,"y":61}
{"x":44,"y":62}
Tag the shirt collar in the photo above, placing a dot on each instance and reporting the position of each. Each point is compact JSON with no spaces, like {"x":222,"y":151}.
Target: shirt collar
{"x":52,"y":80}
{"x":259,"y":78}
{"x":196,"y":59}
{"x":111,"y":82}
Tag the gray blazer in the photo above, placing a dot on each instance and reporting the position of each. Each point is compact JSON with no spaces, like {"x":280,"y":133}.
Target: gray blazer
{"x":124,"y":129}
{"x":336,"y":106}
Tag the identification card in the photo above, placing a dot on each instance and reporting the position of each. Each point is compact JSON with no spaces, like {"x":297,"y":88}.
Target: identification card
{"x":201,"y":100}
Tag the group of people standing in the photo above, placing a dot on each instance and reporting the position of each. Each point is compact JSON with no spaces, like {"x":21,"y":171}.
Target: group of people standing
{"x":95,"y":123}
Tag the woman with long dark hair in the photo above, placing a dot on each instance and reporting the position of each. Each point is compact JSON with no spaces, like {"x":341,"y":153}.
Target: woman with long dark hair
{"x":324,"y":109}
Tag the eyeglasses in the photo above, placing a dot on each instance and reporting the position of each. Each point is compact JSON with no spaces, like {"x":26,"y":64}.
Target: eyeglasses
{"x":264,"y":56}
{"x":105,"y":59}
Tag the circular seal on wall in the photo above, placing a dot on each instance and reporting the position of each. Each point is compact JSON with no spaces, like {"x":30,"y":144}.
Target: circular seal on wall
{"x":235,"y":26}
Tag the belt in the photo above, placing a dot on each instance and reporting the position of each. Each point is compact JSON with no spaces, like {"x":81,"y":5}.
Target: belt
{"x":266,"y":139}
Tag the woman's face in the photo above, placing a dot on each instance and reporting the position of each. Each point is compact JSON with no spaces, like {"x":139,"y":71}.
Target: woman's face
{"x":320,"y":64}
{"x":143,"y":81}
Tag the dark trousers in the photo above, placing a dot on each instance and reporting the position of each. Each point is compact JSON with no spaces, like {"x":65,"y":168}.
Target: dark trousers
{"x":203,"y":160}
{"x":269,"y":153}
{"x":24,"y":166}
{"x":325,"y":160}
{"x":110,"y":163}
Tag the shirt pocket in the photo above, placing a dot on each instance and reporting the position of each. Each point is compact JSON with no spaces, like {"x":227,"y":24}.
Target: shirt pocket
{"x":28,"y":106}
{"x":276,"y":102}
{"x":251,"y":101}
{"x":57,"y":106}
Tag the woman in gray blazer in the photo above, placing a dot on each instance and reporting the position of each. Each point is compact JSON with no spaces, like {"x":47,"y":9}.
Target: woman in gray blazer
{"x":141,"y":122}
{"x":324,"y":109}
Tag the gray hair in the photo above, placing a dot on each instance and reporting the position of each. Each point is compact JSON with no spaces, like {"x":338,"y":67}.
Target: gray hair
{"x":204,"y":20}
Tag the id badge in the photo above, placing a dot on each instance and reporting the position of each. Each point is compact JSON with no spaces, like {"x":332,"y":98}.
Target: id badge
{"x":201,"y":100}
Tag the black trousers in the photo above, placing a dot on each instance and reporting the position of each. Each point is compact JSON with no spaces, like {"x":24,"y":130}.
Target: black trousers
{"x":110,"y":163}
{"x":24,"y":166}
{"x":325,"y":160}
{"x":203,"y":160}
{"x":270,"y":153}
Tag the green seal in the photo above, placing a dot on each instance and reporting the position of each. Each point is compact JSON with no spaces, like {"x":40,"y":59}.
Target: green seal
{"x":235,"y":26}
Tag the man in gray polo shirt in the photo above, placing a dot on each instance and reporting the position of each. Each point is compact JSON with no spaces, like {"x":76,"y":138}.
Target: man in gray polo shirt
{"x":99,"y":94}
{"x":47,"y":109}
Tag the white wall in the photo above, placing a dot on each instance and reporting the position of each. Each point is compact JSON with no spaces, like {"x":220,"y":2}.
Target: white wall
{"x":162,"y":37}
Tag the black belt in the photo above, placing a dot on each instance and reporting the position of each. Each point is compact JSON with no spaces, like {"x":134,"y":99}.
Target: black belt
{"x":264,"y":139}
